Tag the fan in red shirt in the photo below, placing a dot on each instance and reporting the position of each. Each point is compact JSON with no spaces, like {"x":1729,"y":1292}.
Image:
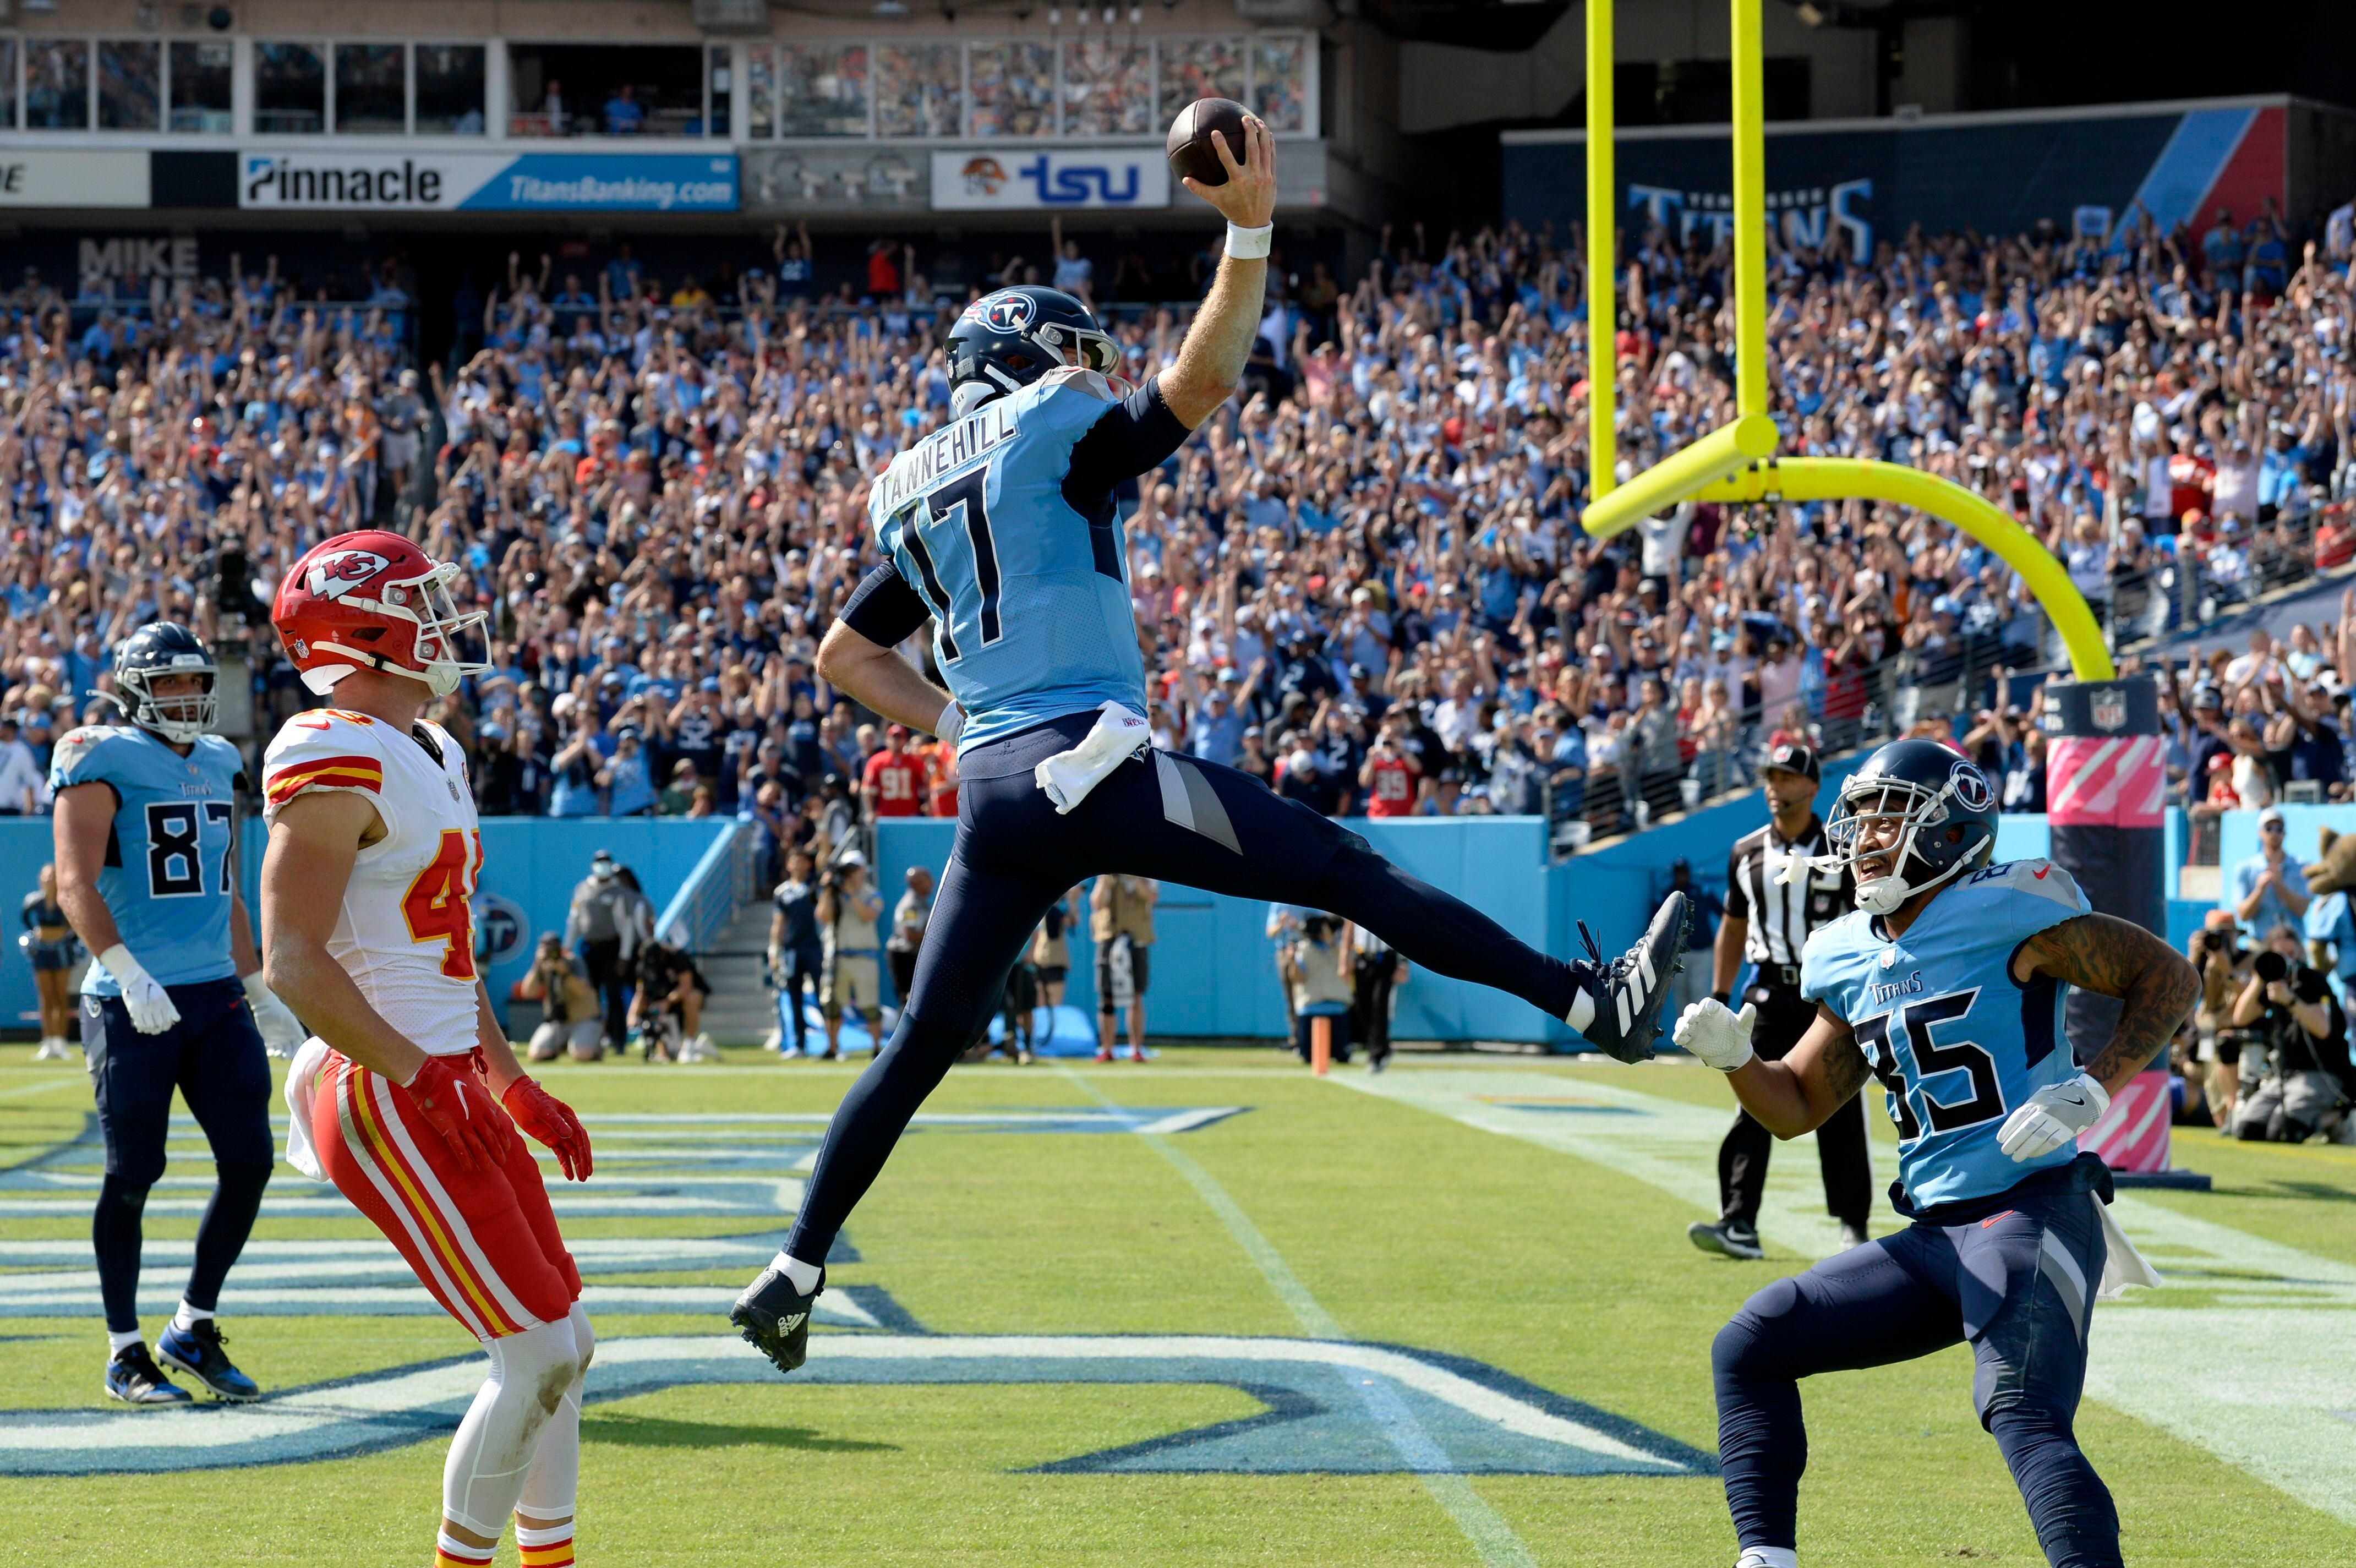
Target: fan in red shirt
{"x":892,"y":778}
{"x":1388,"y":778}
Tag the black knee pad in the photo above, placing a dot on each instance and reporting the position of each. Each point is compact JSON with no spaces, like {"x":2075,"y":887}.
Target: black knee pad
{"x":240,"y":1178}
{"x":120,"y":1199}
{"x":1746,"y":1346}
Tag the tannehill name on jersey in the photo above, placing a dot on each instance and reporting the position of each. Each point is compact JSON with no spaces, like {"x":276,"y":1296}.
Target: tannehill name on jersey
{"x":915,"y":470}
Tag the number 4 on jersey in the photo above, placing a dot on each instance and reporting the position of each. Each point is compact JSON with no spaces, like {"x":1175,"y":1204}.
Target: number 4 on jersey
{"x":435,"y":905}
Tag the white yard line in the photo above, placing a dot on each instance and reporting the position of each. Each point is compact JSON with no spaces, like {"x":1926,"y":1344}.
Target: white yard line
{"x":1491,"y":1536}
{"x":2215,"y":1375}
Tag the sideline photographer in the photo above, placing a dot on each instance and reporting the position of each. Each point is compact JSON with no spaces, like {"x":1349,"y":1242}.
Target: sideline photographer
{"x":2223,"y":963}
{"x":570,"y":1017}
{"x":2303,"y":1049}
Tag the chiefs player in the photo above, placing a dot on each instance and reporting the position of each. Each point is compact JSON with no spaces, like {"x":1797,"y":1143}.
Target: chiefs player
{"x":367,"y":934}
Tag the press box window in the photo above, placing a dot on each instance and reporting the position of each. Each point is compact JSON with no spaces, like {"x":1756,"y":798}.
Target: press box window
{"x":609,"y":89}
{"x":200,"y":86}
{"x":130,"y":84}
{"x":449,"y":90}
{"x":57,"y":84}
{"x":371,"y":88}
{"x":290,"y":89}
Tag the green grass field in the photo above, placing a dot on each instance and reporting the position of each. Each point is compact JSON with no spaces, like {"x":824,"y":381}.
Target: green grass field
{"x":1522,"y":1218}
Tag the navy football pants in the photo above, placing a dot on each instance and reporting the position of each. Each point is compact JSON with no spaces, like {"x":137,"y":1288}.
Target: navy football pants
{"x":1171,"y":818}
{"x":214,"y":1057}
{"x":2016,"y":1286}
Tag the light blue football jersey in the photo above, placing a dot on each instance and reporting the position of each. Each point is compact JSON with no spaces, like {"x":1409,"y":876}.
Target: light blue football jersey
{"x":1030,"y":599}
{"x":167,"y":873}
{"x":1956,"y":1042}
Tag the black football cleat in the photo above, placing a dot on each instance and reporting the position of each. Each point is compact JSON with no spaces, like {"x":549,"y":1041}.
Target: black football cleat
{"x":197,"y":1352}
{"x":133,"y":1377}
{"x":1625,"y":996}
{"x":774,"y":1318}
{"x":1732,"y":1237}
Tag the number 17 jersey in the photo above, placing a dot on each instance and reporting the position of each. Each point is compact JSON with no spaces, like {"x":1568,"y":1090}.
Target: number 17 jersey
{"x":405,"y":933}
{"x":1019,"y":558}
{"x":1956,"y":1042}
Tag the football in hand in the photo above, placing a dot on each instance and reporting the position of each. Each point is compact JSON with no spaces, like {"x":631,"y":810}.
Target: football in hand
{"x":1193,"y":154}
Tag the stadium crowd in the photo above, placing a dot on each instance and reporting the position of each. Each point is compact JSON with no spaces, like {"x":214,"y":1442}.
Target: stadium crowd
{"x":1364,"y":581}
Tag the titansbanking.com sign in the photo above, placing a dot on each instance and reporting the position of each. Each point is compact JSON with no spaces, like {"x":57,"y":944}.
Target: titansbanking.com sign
{"x":406,"y":181}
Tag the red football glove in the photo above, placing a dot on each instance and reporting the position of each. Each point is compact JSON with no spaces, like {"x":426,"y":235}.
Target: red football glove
{"x":460,"y":1108}
{"x":551,"y":1121}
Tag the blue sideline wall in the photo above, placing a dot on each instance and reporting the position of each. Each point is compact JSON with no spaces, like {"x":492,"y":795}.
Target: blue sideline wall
{"x":1213,"y":971}
{"x":530,"y":865}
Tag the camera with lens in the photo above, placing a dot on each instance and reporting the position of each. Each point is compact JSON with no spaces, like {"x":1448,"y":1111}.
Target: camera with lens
{"x":2272,"y":966}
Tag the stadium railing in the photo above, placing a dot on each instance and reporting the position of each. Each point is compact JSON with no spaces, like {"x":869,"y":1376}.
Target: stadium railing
{"x":2186,"y":587}
{"x":709,"y":898}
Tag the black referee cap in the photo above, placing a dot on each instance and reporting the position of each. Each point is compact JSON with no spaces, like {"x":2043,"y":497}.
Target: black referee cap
{"x":1793,"y":758}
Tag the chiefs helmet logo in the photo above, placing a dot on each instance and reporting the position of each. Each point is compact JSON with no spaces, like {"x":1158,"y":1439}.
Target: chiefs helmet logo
{"x":1006,"y":312}
{"x":333,"y":577}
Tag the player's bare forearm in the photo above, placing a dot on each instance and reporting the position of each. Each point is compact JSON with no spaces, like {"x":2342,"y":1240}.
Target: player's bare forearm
{"x":1211,"y":361}
{"x":2117,"y":958}
{"x":877,"y":677}
{"x":500,"y":1064}
{"x":1726,"y":958}
{"x":84,"y":816}
{"x":1219,"y":345}
{"x":1797,"y":1094}
{"x":313,"y":845}
{"x":242,"y":951}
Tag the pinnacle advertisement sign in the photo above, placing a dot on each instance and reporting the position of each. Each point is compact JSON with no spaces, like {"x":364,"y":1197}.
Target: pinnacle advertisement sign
{"x":403,"y":180}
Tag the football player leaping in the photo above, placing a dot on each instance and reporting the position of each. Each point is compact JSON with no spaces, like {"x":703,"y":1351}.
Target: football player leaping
{"x":145,"y":811}
{"x":366,"y":929}
{"x":1946,"y":984}
{"x":1001,"y":530}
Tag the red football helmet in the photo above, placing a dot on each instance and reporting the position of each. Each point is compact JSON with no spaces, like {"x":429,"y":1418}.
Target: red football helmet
{"x":374,"y":600}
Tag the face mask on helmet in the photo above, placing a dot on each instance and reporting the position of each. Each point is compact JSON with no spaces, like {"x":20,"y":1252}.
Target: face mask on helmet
{"x":1905,"y":829}
{"x":179,"y":717}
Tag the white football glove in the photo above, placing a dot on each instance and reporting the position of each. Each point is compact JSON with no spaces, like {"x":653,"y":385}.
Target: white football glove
{"x":2053,"y":1116}
{"x":144,"y":998}
{"x":281,"y":1035}
{"x":1721,"y":1038}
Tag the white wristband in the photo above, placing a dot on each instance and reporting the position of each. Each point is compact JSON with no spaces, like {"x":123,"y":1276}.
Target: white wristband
{"x":1249,"y":244}
{"x":951,"y":723}
{"x":117,"y":961}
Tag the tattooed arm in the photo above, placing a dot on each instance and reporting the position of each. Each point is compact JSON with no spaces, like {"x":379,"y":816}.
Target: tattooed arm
{"x":2114,"y":958}
{"x":1797,"y":1094}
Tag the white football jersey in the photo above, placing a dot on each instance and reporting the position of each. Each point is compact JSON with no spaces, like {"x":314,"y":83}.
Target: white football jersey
{"x":406,"y":932}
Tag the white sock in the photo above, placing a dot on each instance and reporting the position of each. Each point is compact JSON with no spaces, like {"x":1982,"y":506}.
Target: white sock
{"x":1768,"y":1557}
{"x":805,"y":1277}
{"x":117,"y":1343}
{"x":1582,"y":1012}
{"x":189,"y":1317}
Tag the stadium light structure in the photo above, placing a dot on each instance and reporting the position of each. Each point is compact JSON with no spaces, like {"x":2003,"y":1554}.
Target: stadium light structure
{"x":2104,"y":754}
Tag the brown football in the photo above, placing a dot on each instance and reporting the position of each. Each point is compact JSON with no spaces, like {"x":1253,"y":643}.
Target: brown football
{"x":1192,"y":153}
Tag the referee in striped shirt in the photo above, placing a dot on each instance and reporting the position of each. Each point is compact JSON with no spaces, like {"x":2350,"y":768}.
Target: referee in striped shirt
{"x":1767,"y":924}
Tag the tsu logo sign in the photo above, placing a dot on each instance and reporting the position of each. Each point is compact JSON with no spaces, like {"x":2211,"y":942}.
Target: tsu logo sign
{"x":983,"y":177}
{"x":1098,"y":177}
{"x":1971,"y":787}
{"x":337,"y":575}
